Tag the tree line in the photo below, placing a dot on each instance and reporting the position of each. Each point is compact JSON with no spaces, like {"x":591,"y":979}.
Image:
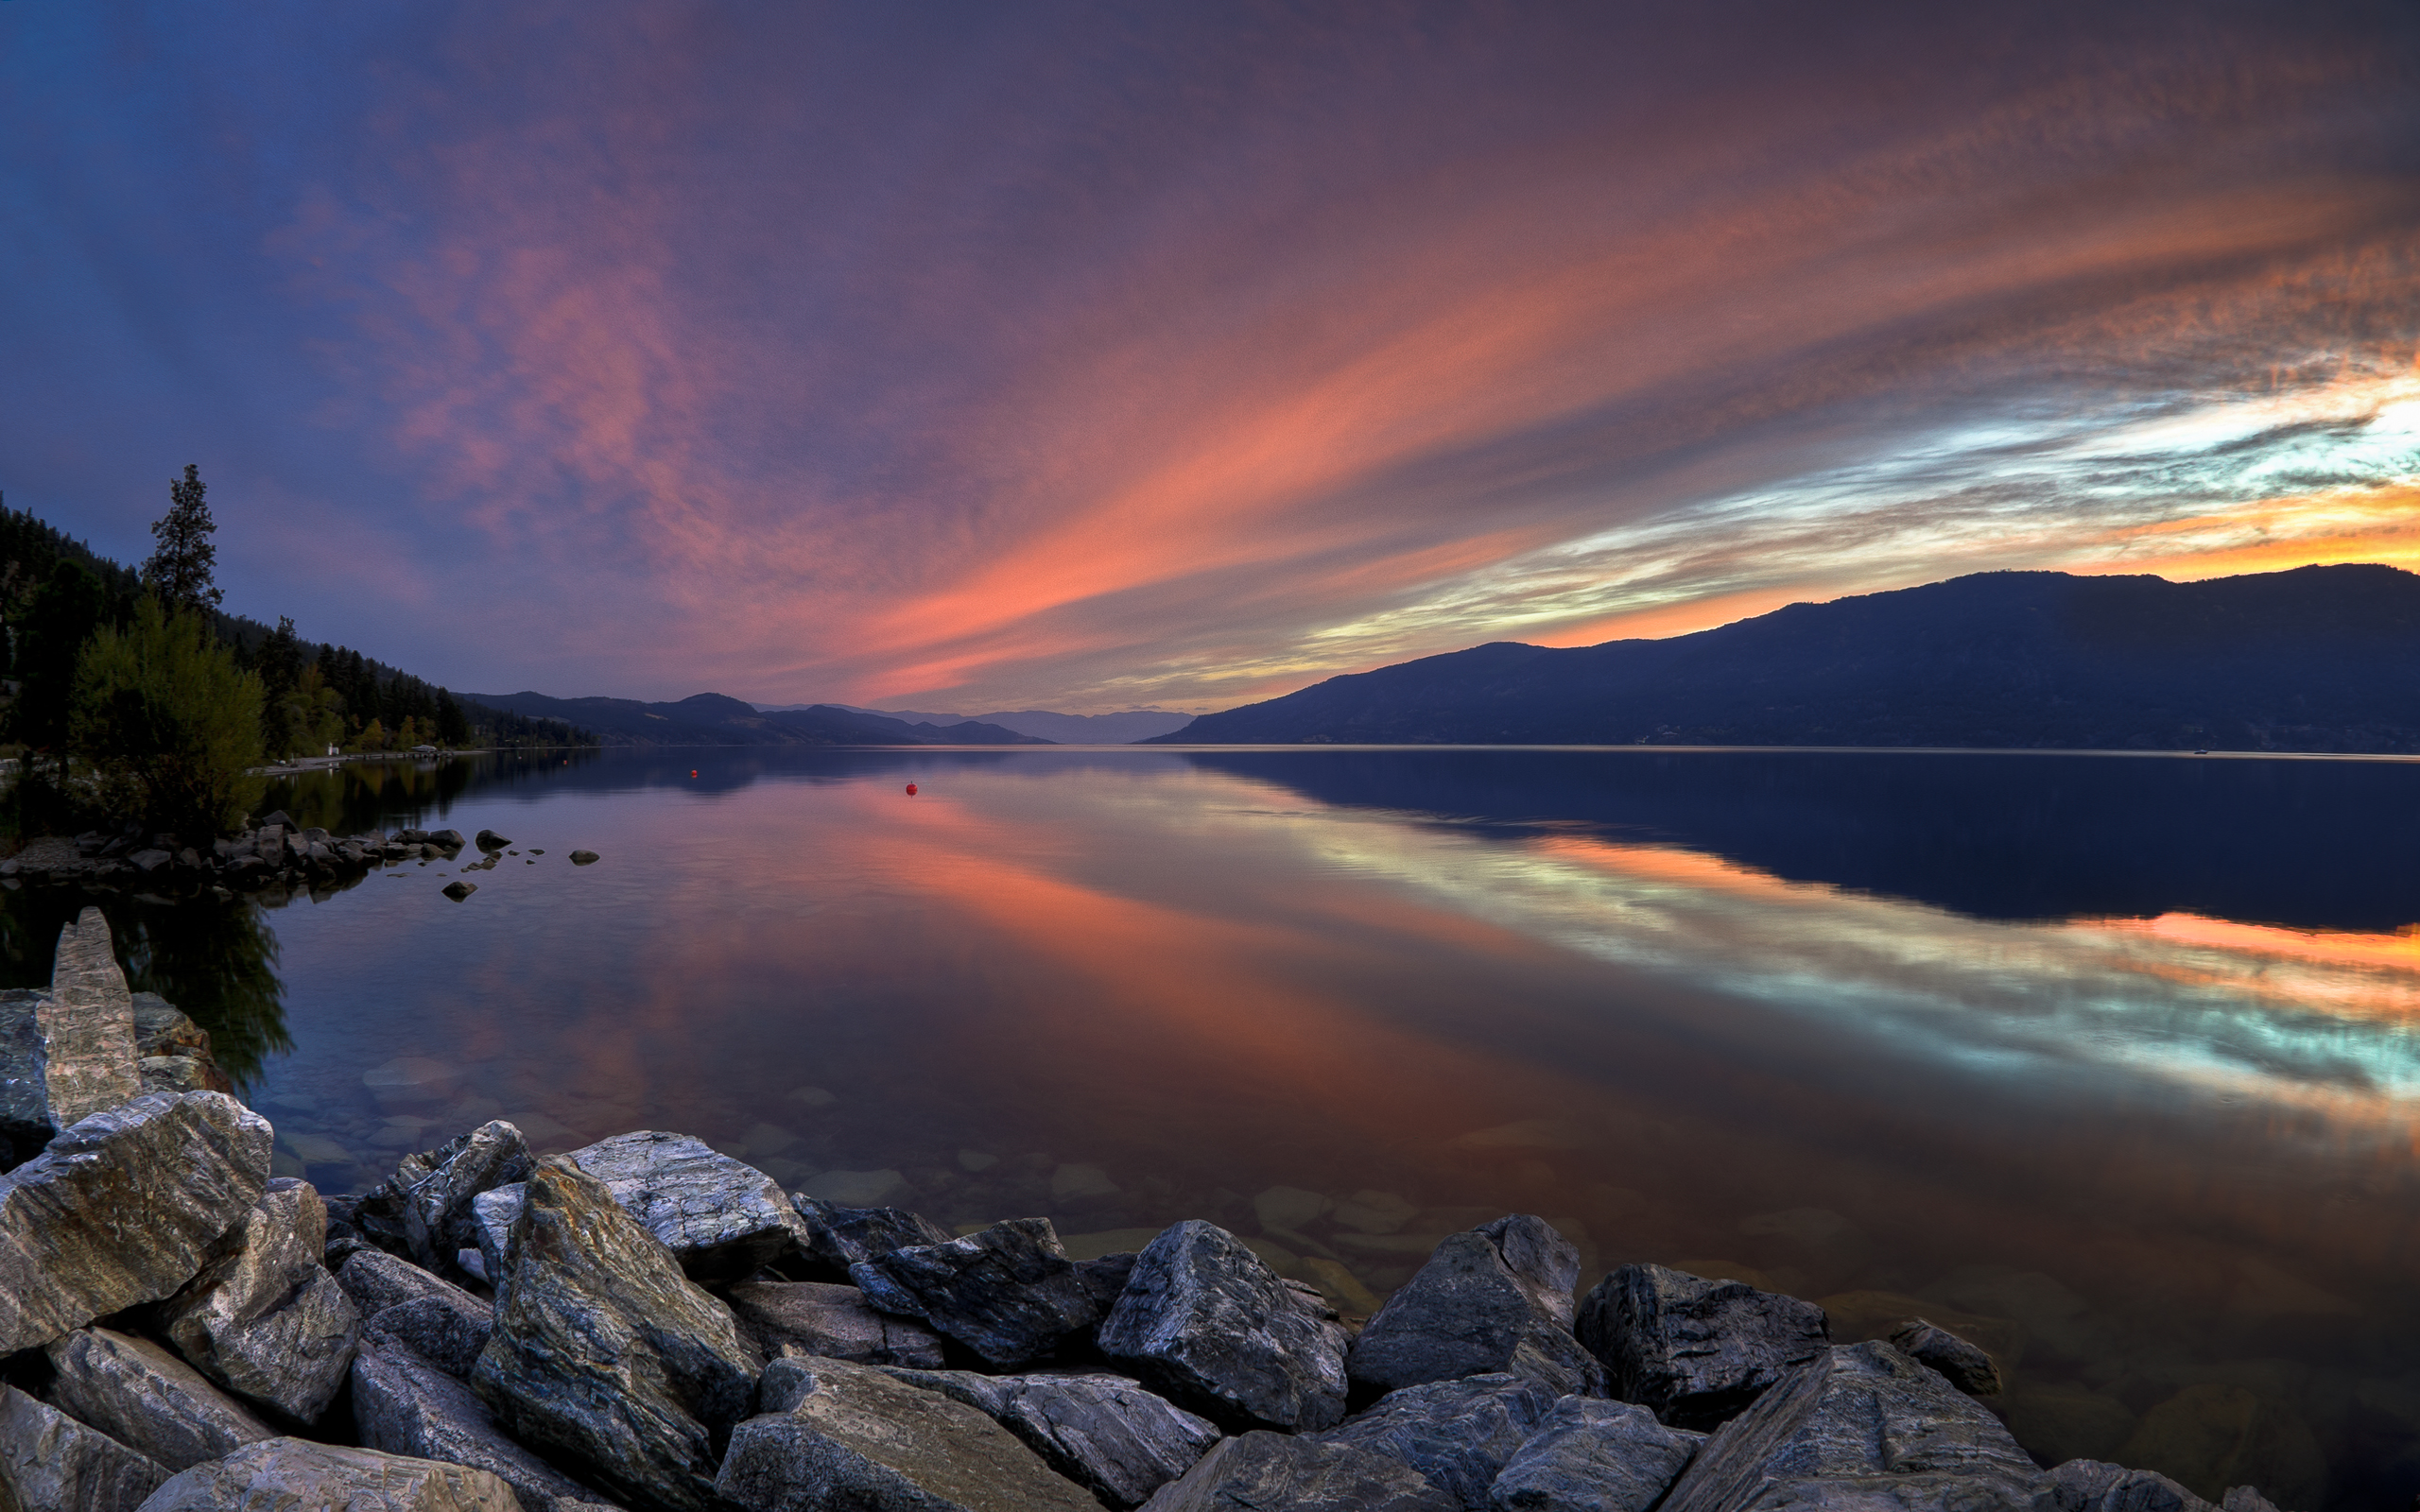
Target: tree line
{"x":136,"y":695}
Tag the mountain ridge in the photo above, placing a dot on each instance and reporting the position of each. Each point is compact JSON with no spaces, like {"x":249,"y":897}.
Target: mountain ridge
{"x":715,"y":719}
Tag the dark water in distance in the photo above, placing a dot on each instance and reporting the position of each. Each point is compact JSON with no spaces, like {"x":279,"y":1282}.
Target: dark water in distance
{"x":2109,"y":1062}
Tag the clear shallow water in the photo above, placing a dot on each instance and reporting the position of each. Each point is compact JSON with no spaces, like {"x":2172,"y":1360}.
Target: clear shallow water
{"x":2110,"y":1061}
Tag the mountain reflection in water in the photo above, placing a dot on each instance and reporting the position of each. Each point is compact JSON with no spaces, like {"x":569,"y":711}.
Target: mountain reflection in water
{"x":2108,"y":1062}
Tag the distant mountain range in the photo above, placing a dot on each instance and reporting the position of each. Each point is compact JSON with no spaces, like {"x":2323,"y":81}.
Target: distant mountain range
{"x":2319,"y":659}
{"x":711,"y":719}
{"x":1073,"y":730}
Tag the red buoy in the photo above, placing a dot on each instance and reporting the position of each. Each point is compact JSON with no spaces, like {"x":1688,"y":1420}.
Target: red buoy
{"x":693,"y":771}
{"x":911,"y":790}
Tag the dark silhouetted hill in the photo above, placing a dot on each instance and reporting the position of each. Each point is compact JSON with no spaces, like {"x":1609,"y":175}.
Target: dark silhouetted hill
{"x":711,"y":719}
{"x":2319,"y":659}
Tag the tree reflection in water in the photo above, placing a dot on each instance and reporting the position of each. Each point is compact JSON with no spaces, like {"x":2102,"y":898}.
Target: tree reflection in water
{"x":214,"y":957}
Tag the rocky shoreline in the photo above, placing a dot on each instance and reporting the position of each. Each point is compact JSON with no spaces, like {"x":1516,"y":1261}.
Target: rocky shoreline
{"x":271,"y":853}
{"x":649,"y":1323}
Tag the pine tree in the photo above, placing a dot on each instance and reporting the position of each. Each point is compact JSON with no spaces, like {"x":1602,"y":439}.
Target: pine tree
{"x":179,"y":571}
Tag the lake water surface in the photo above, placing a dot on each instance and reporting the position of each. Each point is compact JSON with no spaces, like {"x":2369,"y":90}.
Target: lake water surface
{"x":2109,"y":1061}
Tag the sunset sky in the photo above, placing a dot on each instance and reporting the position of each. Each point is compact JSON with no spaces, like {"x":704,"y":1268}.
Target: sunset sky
{"x":1078,"y":357}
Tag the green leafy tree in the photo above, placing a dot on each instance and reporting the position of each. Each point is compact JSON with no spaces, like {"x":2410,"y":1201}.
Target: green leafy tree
{"x":65,"y":613}
{"x":170,"y":721}
{"x":179,"y":571}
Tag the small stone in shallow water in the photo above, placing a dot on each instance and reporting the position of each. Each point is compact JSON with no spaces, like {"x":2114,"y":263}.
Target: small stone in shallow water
{"x":1288,"y":1207}
{"x":1072,"y":1181}
{"x":974,"y":1160}
{"x":582,"y":858}
{"x":457,"y":890}
{"x":812,"y":1097}
{"x":1373,"y":1213}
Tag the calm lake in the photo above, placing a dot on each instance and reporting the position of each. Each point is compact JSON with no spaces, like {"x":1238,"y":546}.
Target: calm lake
{"x":2110,"y":1062}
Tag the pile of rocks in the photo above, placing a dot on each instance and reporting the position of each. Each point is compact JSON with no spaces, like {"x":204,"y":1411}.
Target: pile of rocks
{"x":273,"y":851}
{"x":651,"y":1323}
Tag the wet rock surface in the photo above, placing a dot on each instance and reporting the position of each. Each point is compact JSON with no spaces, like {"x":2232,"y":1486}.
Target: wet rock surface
{"x":835,"y":1322}
{"x":1008,"y":1292}
{"x":295,"y":1472}
{"x":49,"y":1460}
{"x":605,"y":1352}
{"x":1268,"y":1471}
{"x":847,"y":1435}
{"x":1102,"y":1431}
{"x":1591,"y":1456}
{"x":264,"y":1318}
{"x":1496,"y":1298}
{"x":722,"y":1219}
{"x":123,"y":1208}
{"x":403,"y":1404}
{"x":1697,"y":1351}
{"x":1204,"y":1322}
{"x":146,"y":1398}
{"x":1458,"y":1433}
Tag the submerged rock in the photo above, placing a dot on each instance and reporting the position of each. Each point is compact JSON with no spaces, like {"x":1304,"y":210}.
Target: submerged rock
{"x":1204,"y":1323}
{"x":1859,"y":1424}
{"x":1458,"y":1433}
{"x":1105,"y":1432}
{"x":1008,"y":1292}
{"x":295,"y":1472}
{"x":604,"y":1351}
{"x":1496,"y":1298}
{"x":189,"y":1165}
{"x":264,"y":1318}
{"x":847,"y":1435}
{"x":724,"y":1220}
{"x":1265,"y":1470}
{"x":1697,"y":1351}
{"x":1590,"y":1455}
{"x":833,"y":1322}
{"x":425,"y":1211}
{"x":146,"y":1398}
{"x":403,"y":1403}
{"x":49,"y":1460}
{"x":838,"y":1237}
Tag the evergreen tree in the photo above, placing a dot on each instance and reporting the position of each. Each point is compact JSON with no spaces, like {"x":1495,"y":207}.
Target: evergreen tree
{"x":65,"y":613}
{"x":452,"y":728}
{"x":179,"y":571}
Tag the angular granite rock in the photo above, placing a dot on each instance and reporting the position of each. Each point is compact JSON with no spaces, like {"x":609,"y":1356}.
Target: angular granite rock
{"x":835,"y":1322}
{"x":848,"y":1435}
{"x":425,"y":1213}
{"x":146,"y":1398}
{"x":1963,"y":1365}
{"x":1496,"y":1298}
{"x":26,"y":1123}
{"x":295,"y":1472}
{"x":49,"y":1460}
{"x":161,"y":1032}
{"x":1205,"y":1324}
{"x":722,"y":1219}
{"x":492,"y":1216}
{"x":1008,"y":1292}
{"x":1861,"y":1425}
{"x":1591,"y":1456}
{"x":605,"y":1352}
{"x":436,"y":1318}
{"x":1697,"y":1351}
{"x":838,"y":1238}
{"x":1458,"y":1433}
{"x":1106,"y":1434}
{"x":87,"y":1024}
{"x":264,"y":1318}
{"x":1262,"y":1471}
{"x":2091,"y":1485}
{"x":403,"y":1403}
{"x":123,"y":1208}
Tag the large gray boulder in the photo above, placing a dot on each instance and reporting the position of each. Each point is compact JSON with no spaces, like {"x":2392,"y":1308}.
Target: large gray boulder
{"x":264,"y":1318}
{"x":123,"y":1208}
{"x":605,"y":1352}
{"x":838,"y":1237}
{"x":1697,"y":1351}
{"x":1205,"y":1324}
{"x":2091,"y":1485}
{"x":1496,"y":1298}
{"x":1008,"y":1292}
{"x":445,"y":1324}
{"x":723,"y":1219}
{"x":1859,"y":1426}
{"x":1262,"y":1471}
{"x":49,"y":1460}
{"x":835,"y":1322}
{"x":425,"y":1213}
{"x":146,"y":1398}
{"x":848,"y":1435}
{"x":1459,"y":1434}
{"x":403,"y":1403}
{"x":1963,"y":1364}
{"x":70,"y":1052}
{"x":1591,"y":1456}
{"x":296,"y":1473}
{"x":1105,"y":1432}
